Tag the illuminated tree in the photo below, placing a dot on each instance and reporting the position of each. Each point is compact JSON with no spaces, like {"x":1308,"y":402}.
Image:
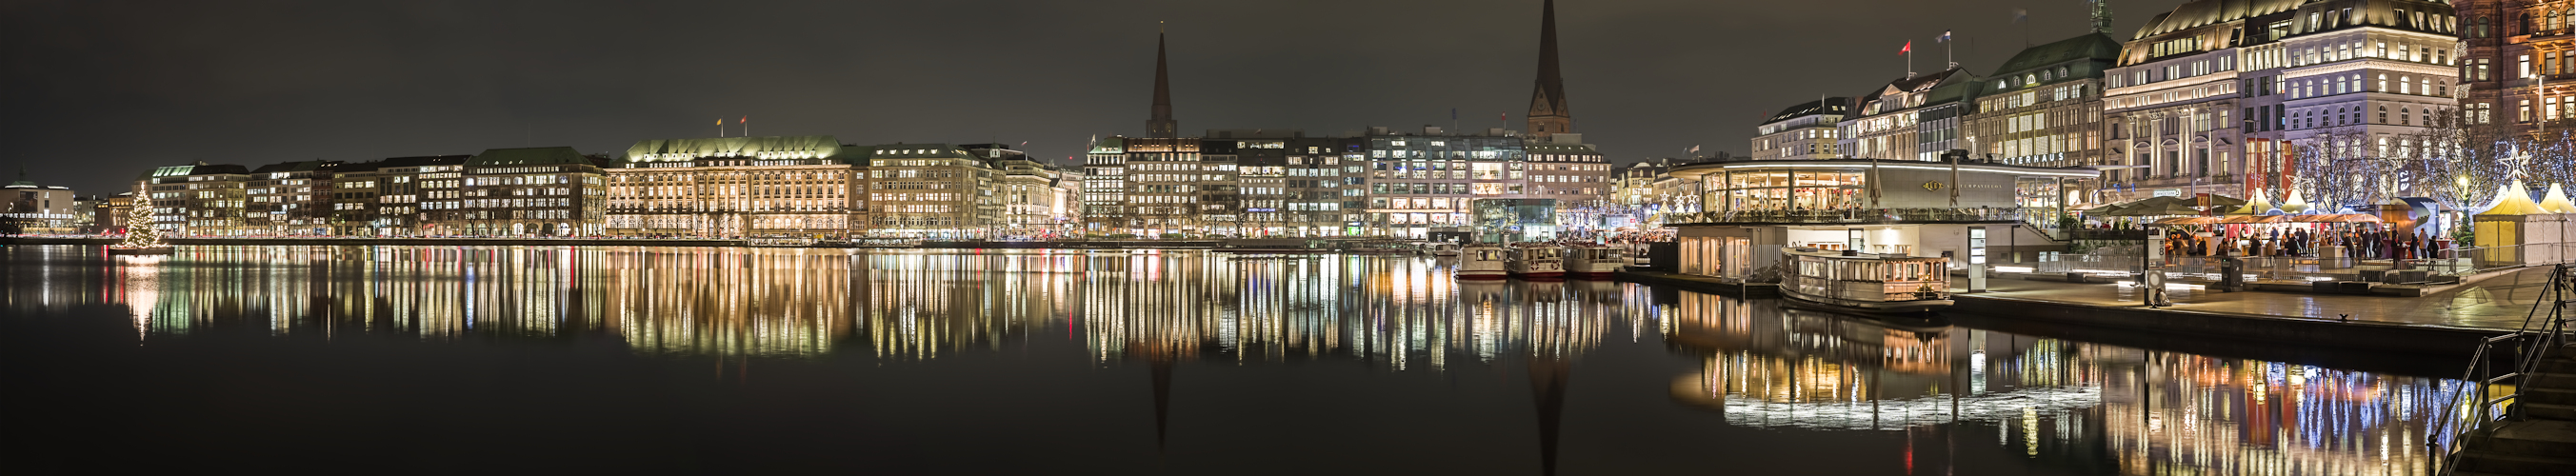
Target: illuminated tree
{"x":139,"y":230}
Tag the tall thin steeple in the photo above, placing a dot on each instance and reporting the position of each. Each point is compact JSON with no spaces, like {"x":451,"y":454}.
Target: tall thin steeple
{"x":2102,"y":16}
{"x":1548,"y":113}
{"x":1162,"y":124}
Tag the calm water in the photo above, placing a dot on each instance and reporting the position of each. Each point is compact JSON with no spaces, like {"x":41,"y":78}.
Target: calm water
{"x":700,"y":360}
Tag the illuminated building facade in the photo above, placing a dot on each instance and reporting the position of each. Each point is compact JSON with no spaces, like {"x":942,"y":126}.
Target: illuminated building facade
{"x":1803,"y":131}
{"x":934,"y":191}
{"x":198,"y":199}
{"x":1421,"y":183}
{"x":1104,"y":186}
{"x":405,"y":188}
{"x":282,"y":198}
{"x":2044,"y":106}
{"x":1038,"y":199}
{"x":40,"y":209}
{"x":536,"y":191}
{"x":1913,"y":118}
{"x":738,"y":187}
{"x":354,"y":190}
{"x":2515,"y":48}
{"x":1164,"y":178}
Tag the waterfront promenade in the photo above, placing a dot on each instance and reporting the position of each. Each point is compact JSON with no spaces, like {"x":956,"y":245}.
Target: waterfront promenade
{"x":2442,"y":322}
{"x":2496,"y":301}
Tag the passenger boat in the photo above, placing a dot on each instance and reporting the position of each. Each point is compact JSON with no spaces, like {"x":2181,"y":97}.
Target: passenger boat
{"x":1592,"y":262}
{"x":1863,"y":282}
{"x":1535,"y":262}
{"x":1441,"y":249}
{"x":1481,"y":262}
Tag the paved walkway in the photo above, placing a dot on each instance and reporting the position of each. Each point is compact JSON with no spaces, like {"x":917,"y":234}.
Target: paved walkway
{"x":2498,"y":302}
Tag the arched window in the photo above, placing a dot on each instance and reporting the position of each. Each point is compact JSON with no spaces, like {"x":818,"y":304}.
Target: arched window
{"x":2482,"y":28}
{"x":2383,"y":114}
{"x":2383,"y":83}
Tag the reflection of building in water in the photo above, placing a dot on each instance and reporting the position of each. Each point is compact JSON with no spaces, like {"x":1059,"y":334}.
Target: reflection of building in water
{"x":2152,"y":412}
{"x":1404,"y":312}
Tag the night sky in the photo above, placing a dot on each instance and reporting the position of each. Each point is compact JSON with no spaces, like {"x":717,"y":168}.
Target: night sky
{"x":97,"y":91}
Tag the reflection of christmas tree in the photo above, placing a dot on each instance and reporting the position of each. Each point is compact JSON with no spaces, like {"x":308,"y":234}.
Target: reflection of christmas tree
{"x":139,"y":232}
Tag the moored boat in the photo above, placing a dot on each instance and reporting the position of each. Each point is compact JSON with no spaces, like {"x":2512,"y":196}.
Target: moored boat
{"x":1534,"y":262}
{"x":1588,"y":261}
{"x":1864,"y":282}
{"x":1441,"y":249}
{"x":1481,"y":262}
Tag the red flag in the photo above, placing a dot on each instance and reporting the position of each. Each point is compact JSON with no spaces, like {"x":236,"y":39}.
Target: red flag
{"x":748,"y":118}
{"x":1909,"y":47}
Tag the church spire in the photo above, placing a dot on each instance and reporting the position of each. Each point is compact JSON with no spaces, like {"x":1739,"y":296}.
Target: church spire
{"x":1162,"y":124}
{"x":1548,"y":113}
{"x":2102,"y":16}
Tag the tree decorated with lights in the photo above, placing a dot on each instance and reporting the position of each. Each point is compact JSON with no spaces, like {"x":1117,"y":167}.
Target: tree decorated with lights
{"x":139,"y":232}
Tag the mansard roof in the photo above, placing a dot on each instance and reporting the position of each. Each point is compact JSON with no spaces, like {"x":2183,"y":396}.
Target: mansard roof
{"x":803,"y":147}
{"x":2090,"y":46}
{"x":1832,"y":106}
{"x":2200,"y":13}
{"x":530,"y":156}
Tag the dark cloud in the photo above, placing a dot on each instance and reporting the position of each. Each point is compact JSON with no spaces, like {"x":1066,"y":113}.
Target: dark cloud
{"x":95,"y":91}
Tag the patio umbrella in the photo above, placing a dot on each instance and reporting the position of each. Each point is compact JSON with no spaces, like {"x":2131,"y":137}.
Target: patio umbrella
{"x":2171,"y":206}
{"x":2188,"y":221}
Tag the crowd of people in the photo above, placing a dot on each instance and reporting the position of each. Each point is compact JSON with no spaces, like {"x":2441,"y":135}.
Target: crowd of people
{"x":2344,"y":240}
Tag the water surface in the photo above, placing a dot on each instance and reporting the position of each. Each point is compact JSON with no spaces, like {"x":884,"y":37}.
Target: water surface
{"x":698,"y":360}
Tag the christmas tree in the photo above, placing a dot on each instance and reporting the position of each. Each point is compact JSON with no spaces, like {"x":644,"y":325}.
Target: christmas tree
{"x":139,"y":232}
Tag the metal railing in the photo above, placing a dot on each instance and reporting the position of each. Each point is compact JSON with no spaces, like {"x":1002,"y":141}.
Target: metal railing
{"x":1848,"y":215}
{"x":2532,"y":341}
{"x":2442,"y":266}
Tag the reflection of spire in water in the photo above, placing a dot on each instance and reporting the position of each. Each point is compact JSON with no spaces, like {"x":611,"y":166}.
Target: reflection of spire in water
{"x":1548,"y":378}
{"x":1162,"y":369}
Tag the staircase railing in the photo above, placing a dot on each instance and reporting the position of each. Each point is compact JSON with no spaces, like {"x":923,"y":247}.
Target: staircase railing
{"x":2531,"y":342}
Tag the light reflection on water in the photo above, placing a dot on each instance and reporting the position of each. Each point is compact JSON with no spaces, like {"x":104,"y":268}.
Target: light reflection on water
{"x":2076,"y":406}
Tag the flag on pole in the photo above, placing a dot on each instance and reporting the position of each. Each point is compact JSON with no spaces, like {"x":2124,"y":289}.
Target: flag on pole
{"x":2020,"y":14}
{"x":1453,"y":114}
{"x":1909,"y":47}
{"x":1945,"y":36}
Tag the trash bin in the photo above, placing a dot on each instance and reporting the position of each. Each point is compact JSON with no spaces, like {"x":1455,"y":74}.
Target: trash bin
{"x":2231,"y":274}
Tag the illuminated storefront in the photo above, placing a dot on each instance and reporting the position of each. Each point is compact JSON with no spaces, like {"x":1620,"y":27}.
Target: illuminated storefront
{"x":1915,"y":209}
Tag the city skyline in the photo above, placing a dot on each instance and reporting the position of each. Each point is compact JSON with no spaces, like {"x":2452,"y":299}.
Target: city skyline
{"x":261,"y":97}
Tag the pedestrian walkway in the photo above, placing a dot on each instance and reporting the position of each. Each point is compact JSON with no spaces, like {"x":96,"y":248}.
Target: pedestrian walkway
{"x":2494,"y":303}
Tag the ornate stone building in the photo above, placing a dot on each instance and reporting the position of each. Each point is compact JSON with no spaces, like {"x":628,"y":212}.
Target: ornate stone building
{"x":738,"y":187}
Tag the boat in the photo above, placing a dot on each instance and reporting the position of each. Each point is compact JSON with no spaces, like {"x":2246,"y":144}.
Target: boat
{"x":1481,"y":262}
{"x":1588,"y":261}
{"x":1535,"y":262}
{"x":1852,"y":281}
{"x":1441,"y":249}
